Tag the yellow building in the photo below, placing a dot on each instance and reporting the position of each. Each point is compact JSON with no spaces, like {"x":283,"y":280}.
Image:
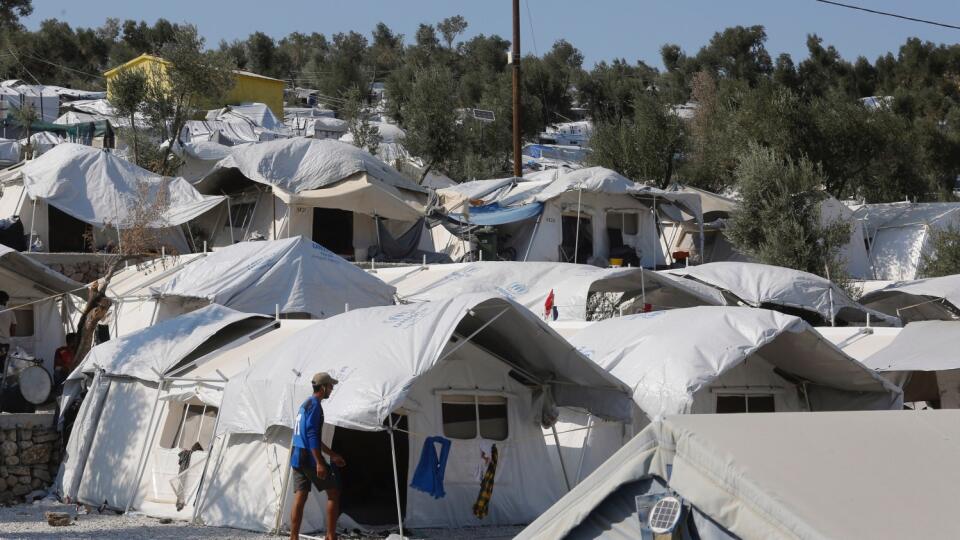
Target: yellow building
{"x":249,"y":87}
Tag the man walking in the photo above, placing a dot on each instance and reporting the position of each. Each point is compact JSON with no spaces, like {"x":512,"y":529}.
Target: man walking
{"x":309,"y":466}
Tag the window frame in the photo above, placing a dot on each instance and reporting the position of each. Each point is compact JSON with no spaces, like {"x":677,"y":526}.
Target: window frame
{"x":746,"y":395}
{"x":477,"y":397}
{"x":184,"y":417}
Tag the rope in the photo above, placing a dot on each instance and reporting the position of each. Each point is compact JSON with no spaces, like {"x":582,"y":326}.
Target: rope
{"x":58,"y":295}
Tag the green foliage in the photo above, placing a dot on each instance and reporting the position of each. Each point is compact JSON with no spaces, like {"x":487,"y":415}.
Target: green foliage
{"x":451,"y":27}
{"x":943,"y":257}
{"x":128,"y":91}
{"x":12,"y":10}
{"x":365,"y":135}
{"x":431,"y":117}
{"x":644,"y":147}
{"x":778,"y":221}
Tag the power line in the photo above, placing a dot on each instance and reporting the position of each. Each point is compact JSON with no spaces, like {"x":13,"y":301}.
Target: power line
{"x":887,"y":14}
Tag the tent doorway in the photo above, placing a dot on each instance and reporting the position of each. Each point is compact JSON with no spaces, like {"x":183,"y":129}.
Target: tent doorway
{"x":576,"y":247}
{"x":333,"y":229}
{"x":368,"y":494}
{"x":66,"y":232}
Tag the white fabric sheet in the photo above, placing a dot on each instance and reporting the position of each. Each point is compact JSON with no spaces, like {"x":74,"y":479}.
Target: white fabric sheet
{"x":920,"y":346}
{"x":102,"y":189}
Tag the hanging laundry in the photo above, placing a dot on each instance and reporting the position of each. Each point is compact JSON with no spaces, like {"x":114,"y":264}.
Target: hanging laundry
{"x":482,"y":507}
{"x":428,"y":477}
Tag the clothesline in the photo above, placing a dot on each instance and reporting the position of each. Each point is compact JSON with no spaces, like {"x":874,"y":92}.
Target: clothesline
{"x":41,"y":300}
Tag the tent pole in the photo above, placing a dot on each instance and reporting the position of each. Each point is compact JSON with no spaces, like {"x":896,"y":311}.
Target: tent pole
{"x":229,"y":218}
{"x":33,"y":219}
{"x":471,"y":336}
{"x":396,"y":477}
{"x":206,"y":463}
{"x":583,"y":451}
{"x":283,"y":493}
{"x":576,"y":241}
{"x":702,"y":255}
{"x":141,"y":461}
{"x":563,"y":468}
{"x":643,"y":288}
{"x":274,"y":224}
{"x":533,"y":236}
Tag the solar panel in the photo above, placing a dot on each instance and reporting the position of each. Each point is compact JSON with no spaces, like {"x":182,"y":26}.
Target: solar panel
{"x":483,"y":115}
{"x":665,"y":515}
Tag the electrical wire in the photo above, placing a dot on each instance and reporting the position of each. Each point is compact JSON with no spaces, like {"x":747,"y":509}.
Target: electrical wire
{"x":888,"y":14}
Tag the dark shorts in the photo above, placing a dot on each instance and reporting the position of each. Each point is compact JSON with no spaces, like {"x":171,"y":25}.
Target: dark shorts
{"x":304,"y":477}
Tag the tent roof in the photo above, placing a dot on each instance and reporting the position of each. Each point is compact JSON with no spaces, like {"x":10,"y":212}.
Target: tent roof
{"x":920,"y":346}
{"x":529,"y":283}
{"x":296,"y":273}
{"x":300,"y":164}
{"x":940,"y":293}
{"x":257,"y":113}
{"x":905,"y":214}
{"x":377,"y":354}
{"x":102,"y":189}
{"x":761,"y":284}
{"x":43,"y":280}
{"x":790,"y":475}
{"x":667,"y":356}
{"x":156,"y":349}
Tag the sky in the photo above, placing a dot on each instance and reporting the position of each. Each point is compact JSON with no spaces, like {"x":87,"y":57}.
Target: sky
{"x":601,"y":29}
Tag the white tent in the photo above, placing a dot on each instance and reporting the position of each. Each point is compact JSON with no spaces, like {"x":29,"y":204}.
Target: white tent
{"x":42,"y":142}
{"x":796,"y":476}
{"x":9,"y":152}
{"x":785,"y":289}
{"x":717,"y":360}
{"x":923,"y":359}
{"x":411,"y":366}
{"x":854,"y":252}
{"x":859,"y":342}
{"x":899,"y":235}
{"x":45,"y":102}
{"x":294,"y":276}
{"x":919,"y":300}
{"x":129,"y":376}
{"x":37,"y":298}
{"x":575,"y":216}
{"x":329,"y":191}
{"x":573,"y":286}
{"x":257,"y":115}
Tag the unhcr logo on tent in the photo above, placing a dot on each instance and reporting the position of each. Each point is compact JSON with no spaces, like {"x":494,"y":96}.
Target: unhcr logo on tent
{"x":325,"y":253}
{"x":513,"y":290}
{"x":406,"y":318}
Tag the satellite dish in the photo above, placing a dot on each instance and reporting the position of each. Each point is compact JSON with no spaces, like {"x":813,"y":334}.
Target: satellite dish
{"x":665,"y":515}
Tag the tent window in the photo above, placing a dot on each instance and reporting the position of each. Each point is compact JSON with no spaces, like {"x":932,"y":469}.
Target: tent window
{"x":627,"y":223}
{"x":745,"y":403}
{"x":466,"y":415}
{"x":188,"y":424}
{"x":24,"y":317}
{"x":240,"y":215}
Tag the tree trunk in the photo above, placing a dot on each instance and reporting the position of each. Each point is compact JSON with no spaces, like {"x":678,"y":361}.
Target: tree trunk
{"x":426,"y":170}
{"x":98,"y":305}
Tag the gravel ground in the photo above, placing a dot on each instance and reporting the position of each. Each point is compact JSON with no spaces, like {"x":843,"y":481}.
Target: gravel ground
{"x":26,"y":521}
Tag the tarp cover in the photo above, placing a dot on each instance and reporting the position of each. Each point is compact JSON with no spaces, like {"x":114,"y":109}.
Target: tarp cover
{"x":157,"y":348}
{"x":784,"y":475}
{"x":296,"y":273}
{"x":530,"y":283}
{"x":258,"y":114}
{"x":378,"y":353}
{"x":47,"y":280}
{"x":942,"y":293}
{"x":300,"y":164}
{"x":757,"y":284}
{"x":920,"y":346}
{"x":102,"y":189}
{"x":667,"y":356}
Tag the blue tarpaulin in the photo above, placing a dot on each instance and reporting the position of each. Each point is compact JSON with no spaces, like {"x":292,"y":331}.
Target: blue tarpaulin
{"x":494,"y":214}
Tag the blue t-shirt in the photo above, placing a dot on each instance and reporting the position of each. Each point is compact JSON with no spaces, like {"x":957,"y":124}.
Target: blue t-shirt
{"x":306,"y":433}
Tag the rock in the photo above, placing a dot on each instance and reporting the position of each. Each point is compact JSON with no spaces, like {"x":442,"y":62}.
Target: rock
{"x":25,"y":480}
{"x":36,"y":454}
{"x":165,"y":521}
{"x":25,"y":444}
{"x":11,"y":460}
{"x":42,"y":474}
{"x":19,"y":470}
{"x":20,"y":490}
{"x":44,"y":436}
{"x":4,"y":471}
{"x":3,"y":484}
{"x":10,"y":435}
{"x":5,"y":497}
{"x":36,"y":483}
{"x":8,"y":448}
{"x":58,"y":519}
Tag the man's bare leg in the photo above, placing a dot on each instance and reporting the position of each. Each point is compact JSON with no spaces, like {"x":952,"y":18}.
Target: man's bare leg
{"x":296,"y":513}
{"x":333,"y":512}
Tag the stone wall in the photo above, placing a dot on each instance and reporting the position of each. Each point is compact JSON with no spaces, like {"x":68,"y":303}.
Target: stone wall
{"x":29,"y":455}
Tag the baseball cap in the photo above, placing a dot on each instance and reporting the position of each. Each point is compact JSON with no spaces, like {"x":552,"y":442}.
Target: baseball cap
{"x":323,"y":378}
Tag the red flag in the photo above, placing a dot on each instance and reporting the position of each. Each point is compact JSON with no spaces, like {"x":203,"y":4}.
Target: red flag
{"x":548,"y":305}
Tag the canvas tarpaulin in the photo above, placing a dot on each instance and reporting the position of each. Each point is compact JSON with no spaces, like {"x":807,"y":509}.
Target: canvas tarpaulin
{"x":295,"y":274}
{"x":666,"y":357}
{"x":102,"y":189}
{"x":931,"y":298}
{"x":530,"y":283}
{"x":363,"y":194}
{"x":761,"y":284}
{"x":920,"y":346}
{"x":378,"y":353}
{"x":784,"y":475}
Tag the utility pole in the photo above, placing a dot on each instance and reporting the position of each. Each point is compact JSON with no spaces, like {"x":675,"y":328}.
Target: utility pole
{"x":515,"y":60}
